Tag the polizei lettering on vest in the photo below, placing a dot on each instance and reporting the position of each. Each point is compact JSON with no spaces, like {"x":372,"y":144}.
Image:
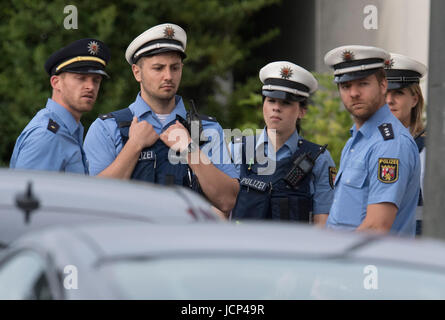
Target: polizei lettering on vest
{"x":146,"y":155}
{"x":198,"y":310}
{"x":255,"y":184}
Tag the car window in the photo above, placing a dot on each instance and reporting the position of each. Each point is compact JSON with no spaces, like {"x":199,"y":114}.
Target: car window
{"x":266,"y":278}
{"x":22,"y":277}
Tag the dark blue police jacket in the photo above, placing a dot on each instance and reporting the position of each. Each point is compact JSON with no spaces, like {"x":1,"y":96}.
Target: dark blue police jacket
{"x":269,"y":196}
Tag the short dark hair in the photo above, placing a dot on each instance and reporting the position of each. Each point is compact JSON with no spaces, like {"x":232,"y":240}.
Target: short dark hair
{"x":380,"y":75}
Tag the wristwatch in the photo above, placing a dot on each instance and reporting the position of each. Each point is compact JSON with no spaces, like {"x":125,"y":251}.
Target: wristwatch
{"x":192,"y":147}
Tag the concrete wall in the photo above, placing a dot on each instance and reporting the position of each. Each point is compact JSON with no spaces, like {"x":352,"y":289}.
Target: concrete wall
{"x":403,"y":27}
{"x":433,"y":214}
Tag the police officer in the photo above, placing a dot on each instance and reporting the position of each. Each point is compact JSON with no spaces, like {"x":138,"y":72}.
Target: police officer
{"x":377,"y":185}
{"x":267,"y":189}
{"x":52,"y":140}
{"x":142,"y":141}
{"x":405,"y":100}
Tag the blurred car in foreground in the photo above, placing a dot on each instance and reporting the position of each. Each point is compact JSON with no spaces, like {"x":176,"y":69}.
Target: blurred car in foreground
{"x":31,"y":199}
{"x":219,"y":261}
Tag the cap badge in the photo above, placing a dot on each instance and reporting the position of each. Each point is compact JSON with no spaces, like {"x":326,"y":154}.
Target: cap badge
{"x":169,"y":32}
{"x":93,"y":47}
{"x":347,"y":55}
{"x":389,"y":63}
{"x":286,"y":72}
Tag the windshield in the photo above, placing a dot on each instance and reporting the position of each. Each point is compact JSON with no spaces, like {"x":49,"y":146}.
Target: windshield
{"x":262,"y":278}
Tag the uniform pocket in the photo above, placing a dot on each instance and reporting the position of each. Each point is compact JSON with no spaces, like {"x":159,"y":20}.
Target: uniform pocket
{"x":353,"y":194}
{"x":354,"y":175}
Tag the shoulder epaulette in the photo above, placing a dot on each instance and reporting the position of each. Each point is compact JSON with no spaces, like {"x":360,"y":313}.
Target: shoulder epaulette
{"x":53,"y":126}
{"x":106,"y":116}
{"x":206,"y":118}
{"x":307,"y":142}
{"x":386,"y":131}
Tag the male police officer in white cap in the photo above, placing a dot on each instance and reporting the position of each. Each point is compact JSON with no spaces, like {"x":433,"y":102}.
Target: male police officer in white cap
{"x":301,"y":181}
{"x":377,"y":185}
{"x":405,"y":100}
{"x":137,"y":142}
{"x":53,"y":139}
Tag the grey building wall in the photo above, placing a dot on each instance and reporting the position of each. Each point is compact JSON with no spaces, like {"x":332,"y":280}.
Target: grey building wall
{"x":434,"y":214}
{"x":403,"y":27}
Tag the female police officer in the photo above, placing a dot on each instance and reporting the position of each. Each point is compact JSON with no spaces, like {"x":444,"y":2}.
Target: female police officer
{"x":405,"y":100}
{"x":300,"y":179}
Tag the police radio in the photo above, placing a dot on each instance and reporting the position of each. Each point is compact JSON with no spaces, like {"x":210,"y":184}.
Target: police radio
{"x":301,"y":167}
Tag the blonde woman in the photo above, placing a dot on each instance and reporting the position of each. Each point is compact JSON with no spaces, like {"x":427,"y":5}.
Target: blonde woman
{"x":406,"y":102}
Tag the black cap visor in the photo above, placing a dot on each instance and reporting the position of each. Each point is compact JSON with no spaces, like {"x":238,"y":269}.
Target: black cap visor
{"x":394,"y":85}
{"x":84,"y":67}
{"x":398,"y":79}
{"x":345,"y":77}
{"x":283,"y":95}
{"x":89,"y":71}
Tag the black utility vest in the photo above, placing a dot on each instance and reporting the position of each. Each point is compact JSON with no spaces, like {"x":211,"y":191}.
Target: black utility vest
{"x":153,"y":164}
{"x":269,"y":196}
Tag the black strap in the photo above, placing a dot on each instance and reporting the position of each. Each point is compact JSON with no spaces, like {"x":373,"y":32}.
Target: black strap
{"x":420,"y":141}
{"x":420,"y":202}
{"x":106,"y":116}
{"x":123,"y":120}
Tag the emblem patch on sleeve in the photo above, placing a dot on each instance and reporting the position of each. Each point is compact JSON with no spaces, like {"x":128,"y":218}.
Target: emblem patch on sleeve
{"x":332,"y":175}
{"x":388,"y":170}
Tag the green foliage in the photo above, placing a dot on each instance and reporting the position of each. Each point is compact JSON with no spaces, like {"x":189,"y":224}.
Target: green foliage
{"x":221,"y":38}
{"x":326,"y":120}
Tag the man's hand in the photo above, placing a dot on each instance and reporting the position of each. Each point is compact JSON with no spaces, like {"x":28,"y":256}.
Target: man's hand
{"x":176,"y":137}
{"x":142,"y":134}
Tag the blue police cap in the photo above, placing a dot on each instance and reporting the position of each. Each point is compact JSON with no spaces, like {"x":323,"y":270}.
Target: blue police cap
{"x":82,"y":56}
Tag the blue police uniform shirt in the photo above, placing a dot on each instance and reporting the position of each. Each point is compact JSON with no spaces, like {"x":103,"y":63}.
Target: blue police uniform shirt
{"x":38,"y":148}
{"x":363,"y":177}
{"x":104,"y":142}
{"x":320,"y":187}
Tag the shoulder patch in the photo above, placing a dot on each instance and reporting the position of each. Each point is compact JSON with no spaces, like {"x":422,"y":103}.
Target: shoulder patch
{"x":332,"y":175}
{"x":388,"y":170}
{"x":53,"y":126}
{"x":106,"y":116}
{"x":207,"y":118}
{"x":386,"y":131}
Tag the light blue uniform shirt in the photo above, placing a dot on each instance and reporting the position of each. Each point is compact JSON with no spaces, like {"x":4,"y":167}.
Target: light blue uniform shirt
{"x":104,"y":142}
{"x":320,"y":186}
{"x":38,"y":148}
{"x":360,"y":180}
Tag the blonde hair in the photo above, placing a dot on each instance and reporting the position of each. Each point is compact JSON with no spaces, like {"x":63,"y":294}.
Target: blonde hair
{"x":416,"y":122}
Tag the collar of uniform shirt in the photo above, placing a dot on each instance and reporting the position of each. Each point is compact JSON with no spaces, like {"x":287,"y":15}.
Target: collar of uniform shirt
{"x":64,"y":116}
{"x":291,"y":143}
{"x":368,"y":128}
{"x":141,"y":107}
